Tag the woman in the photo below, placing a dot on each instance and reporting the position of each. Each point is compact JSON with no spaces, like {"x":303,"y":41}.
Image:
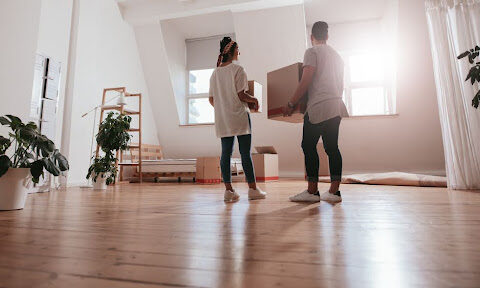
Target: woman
{"x":228,"y":85}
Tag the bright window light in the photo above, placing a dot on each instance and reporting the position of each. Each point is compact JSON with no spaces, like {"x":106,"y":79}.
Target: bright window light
{"x":368,"y":101}
{"x":366,"y":91}
{"x":200,"y":111}
{"x":366,"y":67}
{"x":199,"y":81}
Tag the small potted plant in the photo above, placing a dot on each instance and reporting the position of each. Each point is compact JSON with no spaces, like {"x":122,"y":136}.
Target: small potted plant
{"x":31,"y":154}
{"x":112,"y":136}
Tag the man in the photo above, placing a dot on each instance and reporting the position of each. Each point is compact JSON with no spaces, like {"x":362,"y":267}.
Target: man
{"x":322,"y":78}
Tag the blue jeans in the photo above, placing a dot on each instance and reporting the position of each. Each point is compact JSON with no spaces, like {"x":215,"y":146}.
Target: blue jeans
{"x":244,"y":144}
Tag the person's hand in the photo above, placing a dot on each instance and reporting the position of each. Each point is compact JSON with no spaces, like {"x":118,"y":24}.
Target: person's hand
{"x":288,"y":111}
{"x":255,"y":104}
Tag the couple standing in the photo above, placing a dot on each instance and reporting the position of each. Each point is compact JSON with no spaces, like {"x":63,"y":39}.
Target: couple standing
{"x":322,"y":78}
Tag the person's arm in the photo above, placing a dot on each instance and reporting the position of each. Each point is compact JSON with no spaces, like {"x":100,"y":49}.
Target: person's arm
{"x":307,"y":78}
{"x":244,"y":97}
{"x":210,"y":99}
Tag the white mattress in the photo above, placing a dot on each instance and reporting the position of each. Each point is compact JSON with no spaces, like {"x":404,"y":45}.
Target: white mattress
{"x":180,"y":166}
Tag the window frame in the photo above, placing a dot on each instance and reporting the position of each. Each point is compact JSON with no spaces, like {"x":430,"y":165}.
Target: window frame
{"x":386,"y":84}
{"x":194,"y":96}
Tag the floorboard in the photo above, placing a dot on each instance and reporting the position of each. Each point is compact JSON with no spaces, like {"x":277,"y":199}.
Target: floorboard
{"x":184,"y":235}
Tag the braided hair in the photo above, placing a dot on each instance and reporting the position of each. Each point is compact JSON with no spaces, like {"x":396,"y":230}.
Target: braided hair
{"x":227,"y":50}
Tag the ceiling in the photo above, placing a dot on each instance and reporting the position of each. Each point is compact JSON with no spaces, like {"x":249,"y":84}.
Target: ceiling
{"x":339,"y":11}
{"x":203,"y":18}
{"x":205,"y":25}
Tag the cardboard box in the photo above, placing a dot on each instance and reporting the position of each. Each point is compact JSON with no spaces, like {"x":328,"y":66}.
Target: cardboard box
{"x":281,"y":85}
{"x":208,"y":170}
{"x":265,"y":163}
{"x":255,"y":90}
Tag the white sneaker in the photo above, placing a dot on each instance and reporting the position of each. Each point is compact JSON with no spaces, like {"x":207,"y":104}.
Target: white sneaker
{"x":332,"y":198}
{"x":256,"y":194}
{"x":305,"y":197}
{"x":230,"y":196}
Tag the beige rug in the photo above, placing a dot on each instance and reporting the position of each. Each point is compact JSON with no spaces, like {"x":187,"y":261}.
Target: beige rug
{"x":393,"y":178}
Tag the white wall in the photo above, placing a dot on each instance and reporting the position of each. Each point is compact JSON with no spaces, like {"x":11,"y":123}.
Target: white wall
{"x":19,"y":20}
{"x":174,"y":42}
{"x":249,"y":28}
{"x":106,"y":55}
{"x":273,"y":38}
{"x":53,"y":42}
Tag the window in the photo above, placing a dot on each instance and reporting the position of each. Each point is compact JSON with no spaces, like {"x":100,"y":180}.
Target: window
{"x":199,"y":109}
{"x":366,"y":85}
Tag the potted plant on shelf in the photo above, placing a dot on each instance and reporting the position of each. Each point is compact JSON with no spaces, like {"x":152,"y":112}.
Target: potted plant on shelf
{"x":31,"y":154}
{"x":112,"y":137}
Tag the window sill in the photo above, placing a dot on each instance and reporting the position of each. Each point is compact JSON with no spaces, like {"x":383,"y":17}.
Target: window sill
{"x":372,"y":116}
{"x":197,"y":125}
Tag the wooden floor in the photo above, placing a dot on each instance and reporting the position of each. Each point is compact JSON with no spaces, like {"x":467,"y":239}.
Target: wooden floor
{"x":183,"y":235}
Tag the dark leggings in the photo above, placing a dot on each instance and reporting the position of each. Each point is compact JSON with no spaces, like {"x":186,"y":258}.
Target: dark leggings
{"x":311,"y":134}
{"x":244,"y":144}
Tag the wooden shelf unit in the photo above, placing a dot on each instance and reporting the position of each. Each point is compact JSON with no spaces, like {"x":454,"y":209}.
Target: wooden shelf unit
{"x":122,"y":110}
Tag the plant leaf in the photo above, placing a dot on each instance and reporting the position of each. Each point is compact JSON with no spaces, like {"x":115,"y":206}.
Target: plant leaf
{"x":4,"y":144}
{"x":476,"y":100}
{"x":463,"y":55}
{"x":60,"y":160}
{"x":15,"y":122}
{"x":50,"y":166}
{"x":5,"y":163}
{"x":4,"y":121}
{"x":36,"y":169}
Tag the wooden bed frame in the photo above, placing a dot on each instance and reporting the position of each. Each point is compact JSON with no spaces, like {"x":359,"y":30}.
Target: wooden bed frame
{"x":152,"y":152}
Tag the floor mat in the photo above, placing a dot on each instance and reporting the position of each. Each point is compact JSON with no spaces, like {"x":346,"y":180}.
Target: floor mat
{"x":393,"y":178}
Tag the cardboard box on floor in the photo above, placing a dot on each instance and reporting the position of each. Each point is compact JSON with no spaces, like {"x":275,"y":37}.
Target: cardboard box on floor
{"x":255,"y":90}
{"x":281,"y":85}
{"x":265,"y":162}
{"x":208,"y":170}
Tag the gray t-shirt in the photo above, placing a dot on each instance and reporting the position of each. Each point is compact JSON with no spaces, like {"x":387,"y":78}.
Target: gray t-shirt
{"x":325,"y":91}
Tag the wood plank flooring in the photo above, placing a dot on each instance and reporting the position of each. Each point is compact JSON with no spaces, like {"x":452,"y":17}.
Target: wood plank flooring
{"x":183,"y":235}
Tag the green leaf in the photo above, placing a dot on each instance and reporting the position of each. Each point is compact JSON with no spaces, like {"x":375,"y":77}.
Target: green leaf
{"x":4,"y":144}
{"x":15,"y":122}
{"x":463,"y":55}
{"x":4,"y":121}
{"x":60,"y":160}
{"x":36,"y":169}
{"x":476,"y":100}
{"x":5,"y":163}
{"x":51,"y":167}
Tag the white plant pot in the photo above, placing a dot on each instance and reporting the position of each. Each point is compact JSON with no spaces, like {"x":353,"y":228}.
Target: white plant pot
{"x":14,"y":188}
{"x":101,"y":183}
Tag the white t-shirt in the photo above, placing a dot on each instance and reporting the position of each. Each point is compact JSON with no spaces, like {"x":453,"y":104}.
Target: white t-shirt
{"x":325,"y":91}
{"x":231,"y":114}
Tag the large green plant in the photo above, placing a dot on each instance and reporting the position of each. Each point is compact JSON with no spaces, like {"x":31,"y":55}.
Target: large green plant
{"x":112,"y":136}
{"x":474,"y":73}
{"x":31,"y":150}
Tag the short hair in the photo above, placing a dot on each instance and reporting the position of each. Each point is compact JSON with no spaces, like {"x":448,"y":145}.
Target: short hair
{"x":320,"y":30}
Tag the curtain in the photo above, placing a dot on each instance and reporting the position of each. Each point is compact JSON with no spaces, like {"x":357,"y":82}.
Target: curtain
{"x":454,"y":27}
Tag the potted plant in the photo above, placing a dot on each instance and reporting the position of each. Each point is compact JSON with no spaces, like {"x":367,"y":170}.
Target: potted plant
{"x":474,"y":73}
{"x":31,"y":154}
{"x":112,"y":136}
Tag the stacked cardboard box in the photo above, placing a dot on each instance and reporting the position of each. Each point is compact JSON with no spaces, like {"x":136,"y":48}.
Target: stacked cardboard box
{"x":281,"y":85}
{"x":265,"y":162}
{"x":255,"y":90}
{"x":208,"y":170}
